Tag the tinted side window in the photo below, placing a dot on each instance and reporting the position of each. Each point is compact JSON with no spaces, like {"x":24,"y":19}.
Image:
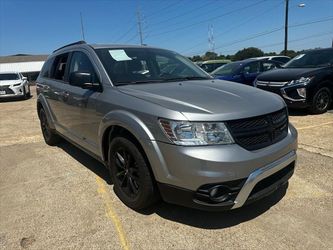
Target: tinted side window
{"x":268,"y":66}
{"x":253,"y":67}
{"x":46,"y":68}
{"x":59,"y":67}
{"x":80,"y":63}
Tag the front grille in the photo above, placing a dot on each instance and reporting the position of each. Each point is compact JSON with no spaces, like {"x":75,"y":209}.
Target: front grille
{"x":6,"y":89}
{"x":275,"y":90}
{"x":261,"y":131}
{"x":275,"y":84}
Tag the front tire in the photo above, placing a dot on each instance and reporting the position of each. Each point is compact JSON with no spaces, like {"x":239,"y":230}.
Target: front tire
{"x":130,"y":174}
{"x":321,"y":101}
{"x":50,"y":137}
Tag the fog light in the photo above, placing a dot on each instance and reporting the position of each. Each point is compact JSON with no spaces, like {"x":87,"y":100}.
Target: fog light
{"x":219,"y":193}
{"x":302,"y":92}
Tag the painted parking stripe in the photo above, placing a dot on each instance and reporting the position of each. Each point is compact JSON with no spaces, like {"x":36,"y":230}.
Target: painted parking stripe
{"x":111,"y":213}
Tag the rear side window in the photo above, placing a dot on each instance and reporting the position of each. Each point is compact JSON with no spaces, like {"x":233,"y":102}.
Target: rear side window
{"x":59,"y":67}
{"x":46,"y":68}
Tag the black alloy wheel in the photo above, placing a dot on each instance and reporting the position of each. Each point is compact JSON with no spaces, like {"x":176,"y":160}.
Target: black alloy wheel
{"x":130,"y":173}
{"x":127,"y":173}
{"x":321,"y":101}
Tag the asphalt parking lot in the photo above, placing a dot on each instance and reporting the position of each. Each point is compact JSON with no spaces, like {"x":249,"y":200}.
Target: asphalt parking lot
{"x":59,"y":197}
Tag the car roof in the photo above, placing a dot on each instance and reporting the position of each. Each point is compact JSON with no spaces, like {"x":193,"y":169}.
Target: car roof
{"x":81,"y":44}
{"x":216,"y":61}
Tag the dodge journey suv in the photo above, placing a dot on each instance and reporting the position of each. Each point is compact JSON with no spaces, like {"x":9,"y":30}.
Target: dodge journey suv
{"x":164,"y":128}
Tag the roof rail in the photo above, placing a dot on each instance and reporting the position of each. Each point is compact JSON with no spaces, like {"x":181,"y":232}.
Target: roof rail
{"x":79,"y":42}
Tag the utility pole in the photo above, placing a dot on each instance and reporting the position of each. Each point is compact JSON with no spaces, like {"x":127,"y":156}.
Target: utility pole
{"x":286,"y":29}
{"x":82,"y":28}
{"x":211,"y":42}
{"x":140,"y":26}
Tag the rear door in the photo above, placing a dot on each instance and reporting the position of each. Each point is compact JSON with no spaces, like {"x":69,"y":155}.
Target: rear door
{"x":81,"y":105}
{"x":53,"y":85}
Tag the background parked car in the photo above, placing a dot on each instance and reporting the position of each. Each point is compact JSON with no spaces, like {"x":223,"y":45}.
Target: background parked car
{"x":304,"y":82}
{"x":281,"y":59}
{"x":14,"y":84}
{"x":211,"y":65}
{"x":244,"y":71}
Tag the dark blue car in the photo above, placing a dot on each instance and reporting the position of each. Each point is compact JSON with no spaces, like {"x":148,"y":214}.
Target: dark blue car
{"x":244,"y":71}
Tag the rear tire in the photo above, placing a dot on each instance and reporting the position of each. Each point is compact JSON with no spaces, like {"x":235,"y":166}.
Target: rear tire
{"x":50,"y":137}
{"x":130,"y":174}
{"x":321,"y":101}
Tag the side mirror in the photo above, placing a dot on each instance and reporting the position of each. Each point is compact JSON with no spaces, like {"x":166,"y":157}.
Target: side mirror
{"x":83,"y":80}
{"x":24,"y":78}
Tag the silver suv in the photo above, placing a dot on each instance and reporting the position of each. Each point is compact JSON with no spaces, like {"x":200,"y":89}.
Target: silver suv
{"x":164,"y":128}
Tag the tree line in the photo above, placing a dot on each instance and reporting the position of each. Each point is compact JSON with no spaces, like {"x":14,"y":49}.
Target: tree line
{"x":242,"y":54}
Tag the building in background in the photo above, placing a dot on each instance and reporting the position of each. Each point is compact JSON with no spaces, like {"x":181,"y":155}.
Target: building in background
{"x":28,"y":65}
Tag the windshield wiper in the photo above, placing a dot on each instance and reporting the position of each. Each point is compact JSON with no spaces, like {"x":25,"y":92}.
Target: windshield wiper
{"x":122,"y":83}
{"x":186,"y":78}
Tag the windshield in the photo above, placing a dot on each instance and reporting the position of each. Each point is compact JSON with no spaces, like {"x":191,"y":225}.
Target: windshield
{"x":311,"y":59}
{"x":147,"y":65}
{"x":228,"y":69}
{"x":10,"y":76}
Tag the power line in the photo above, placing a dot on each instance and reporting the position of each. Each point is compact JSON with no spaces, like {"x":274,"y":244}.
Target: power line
{"x":126,"y":33}
{"x":207,"y":20}
{"x":258,"y":15}
{"x":184,"y":13}
{"x":163,"y":9}
{"x":270,"y":32}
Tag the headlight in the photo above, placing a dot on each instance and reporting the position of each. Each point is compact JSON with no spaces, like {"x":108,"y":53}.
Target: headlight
{"x":17,"y":84}
{"x":196,"y":133}
{"x":302,"y":80}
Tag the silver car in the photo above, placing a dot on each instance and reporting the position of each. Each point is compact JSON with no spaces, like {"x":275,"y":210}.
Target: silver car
{"x":14,"y":84}
{"x":164,"y":128}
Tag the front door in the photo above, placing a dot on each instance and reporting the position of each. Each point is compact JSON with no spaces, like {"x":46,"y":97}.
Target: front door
{"x":82,"y":103}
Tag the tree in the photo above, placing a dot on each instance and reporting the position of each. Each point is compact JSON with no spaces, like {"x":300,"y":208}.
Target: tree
{"x":196,"y":58}
{"x":290,"y":53}
{"x":248,"y":53}
{"x":209,"y":56}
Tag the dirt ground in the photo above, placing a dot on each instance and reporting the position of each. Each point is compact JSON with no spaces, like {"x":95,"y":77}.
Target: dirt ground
{"x":59,"y":197}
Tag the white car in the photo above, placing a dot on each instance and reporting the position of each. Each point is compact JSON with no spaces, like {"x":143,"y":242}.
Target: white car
{"x":14,"y":84}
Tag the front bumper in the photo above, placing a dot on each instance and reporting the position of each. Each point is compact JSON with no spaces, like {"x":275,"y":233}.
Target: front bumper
{"x":12,"y":91}
{"x":191,"y":171}
{"x":259,"y":184}
{"x":289,"y":93}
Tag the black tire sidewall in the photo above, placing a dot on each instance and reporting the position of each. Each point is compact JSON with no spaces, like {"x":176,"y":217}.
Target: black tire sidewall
{"x":313,"y":108}
{"x":146,"y":194}
{"x":53,"y":139}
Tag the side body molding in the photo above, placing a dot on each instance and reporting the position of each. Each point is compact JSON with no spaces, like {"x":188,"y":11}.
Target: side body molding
{"x":142,"y":133}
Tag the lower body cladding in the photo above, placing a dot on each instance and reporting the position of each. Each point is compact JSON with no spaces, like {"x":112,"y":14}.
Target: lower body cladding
{"x":224,"y":177}
{"x":14,"y":91}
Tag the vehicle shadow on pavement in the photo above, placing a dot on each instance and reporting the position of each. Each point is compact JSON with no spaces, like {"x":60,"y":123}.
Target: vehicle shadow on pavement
{"x":14,"y":99}
{"x":86,"y":160}
{"x":217,"y":220}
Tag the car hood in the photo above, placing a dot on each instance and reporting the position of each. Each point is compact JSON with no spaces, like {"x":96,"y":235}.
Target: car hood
{"x":207,"y":100}
{"x":9,"y":82}
{"x":287,"y":74}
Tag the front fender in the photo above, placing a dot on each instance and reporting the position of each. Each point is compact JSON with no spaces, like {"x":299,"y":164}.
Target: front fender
{"x":141,"y":132}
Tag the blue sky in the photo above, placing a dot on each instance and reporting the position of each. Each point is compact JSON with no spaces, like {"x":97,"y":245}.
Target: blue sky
{"x":40,"y":26}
